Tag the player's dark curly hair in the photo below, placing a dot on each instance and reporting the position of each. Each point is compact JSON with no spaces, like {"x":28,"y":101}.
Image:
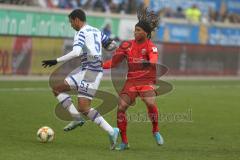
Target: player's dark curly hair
{"x":78,"y":13}
{"x":148,"y":20}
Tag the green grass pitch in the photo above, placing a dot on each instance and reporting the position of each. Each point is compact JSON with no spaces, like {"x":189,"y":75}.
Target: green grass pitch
{"x":210,"y":130}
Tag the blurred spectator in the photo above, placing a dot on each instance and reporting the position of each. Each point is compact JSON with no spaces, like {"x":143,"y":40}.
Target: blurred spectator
{"x":221,"y":16}
{"x":193,"y":14}
{"x":101,"y":5}
{"x":117,"y":6}
{"x":74,"y":4}
{"x":64,"y":4}
{"x":52,"y":3}
{"x":168,"y":12}
{"x":139,"y":3}
{"x":162,"y":7}
{"x":179,"y":13}
{"x":234,"y":18}
{"x":42,"y":3}
{"x":212,"y":15}
{"x":131,"y":7}
{"x":85,"y":4}
{"x":18,"y":2}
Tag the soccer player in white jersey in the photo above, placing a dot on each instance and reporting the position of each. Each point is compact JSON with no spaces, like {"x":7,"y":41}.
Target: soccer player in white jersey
{"x":87,"y":44}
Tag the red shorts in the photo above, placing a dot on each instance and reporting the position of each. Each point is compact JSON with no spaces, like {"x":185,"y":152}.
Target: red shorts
{"x":135,"y":89}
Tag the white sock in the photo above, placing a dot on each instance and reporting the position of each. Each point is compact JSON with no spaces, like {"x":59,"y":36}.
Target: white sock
{"x":74,"y":113}
{"x":99,"y":120}
{"x":67,"y":104}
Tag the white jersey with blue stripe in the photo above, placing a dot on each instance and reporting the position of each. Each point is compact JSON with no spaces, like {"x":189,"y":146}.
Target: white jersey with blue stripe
{"x":90,"y":40}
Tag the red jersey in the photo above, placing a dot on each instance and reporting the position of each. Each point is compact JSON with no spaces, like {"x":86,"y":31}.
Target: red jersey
{"x":136,"y":54}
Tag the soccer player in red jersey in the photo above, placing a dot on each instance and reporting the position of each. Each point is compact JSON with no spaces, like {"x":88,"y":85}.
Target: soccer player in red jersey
{"x":141,"y":55}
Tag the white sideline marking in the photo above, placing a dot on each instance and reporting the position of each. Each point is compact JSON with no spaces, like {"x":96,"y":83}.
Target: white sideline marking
{"x":23,"y":89}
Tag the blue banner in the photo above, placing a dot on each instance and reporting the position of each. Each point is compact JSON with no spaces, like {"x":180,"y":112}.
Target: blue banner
{"x":224,"y":36}
{"x":179,"y":33}
{"x":233,"y":6}
{"x":173,"y":4}
{"x":195,"y":34}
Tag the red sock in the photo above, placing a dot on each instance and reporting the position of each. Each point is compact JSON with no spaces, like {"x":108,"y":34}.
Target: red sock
{"x":122,"y":125}
{"x":153,"y":116}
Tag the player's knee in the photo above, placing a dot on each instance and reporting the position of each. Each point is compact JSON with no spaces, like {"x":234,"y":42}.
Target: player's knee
{"x":124,"y":103}
{"x":83,"y":110}
{"x":121,"y":109}
{"x":122,"y":106}
{"x":60,"y":88}
{"x":149,"y":102}
{"x":84,"y":105}
{"x":57,"y":90}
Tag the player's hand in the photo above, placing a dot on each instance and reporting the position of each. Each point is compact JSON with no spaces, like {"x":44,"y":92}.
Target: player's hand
{"x":110,"y":45}
{"x":145,"y":63}
{"x":49,"y":63}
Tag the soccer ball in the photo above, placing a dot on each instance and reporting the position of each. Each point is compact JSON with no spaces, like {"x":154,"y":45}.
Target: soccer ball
{"x":45,"y":134}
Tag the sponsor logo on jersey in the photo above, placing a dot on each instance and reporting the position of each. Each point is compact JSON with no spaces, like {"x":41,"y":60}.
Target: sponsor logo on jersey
{"x":144,"y":51}
{"x":154,"y":49}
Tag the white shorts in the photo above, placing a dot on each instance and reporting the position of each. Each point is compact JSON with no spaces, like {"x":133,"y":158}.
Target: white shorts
{"x":85,"y":82}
